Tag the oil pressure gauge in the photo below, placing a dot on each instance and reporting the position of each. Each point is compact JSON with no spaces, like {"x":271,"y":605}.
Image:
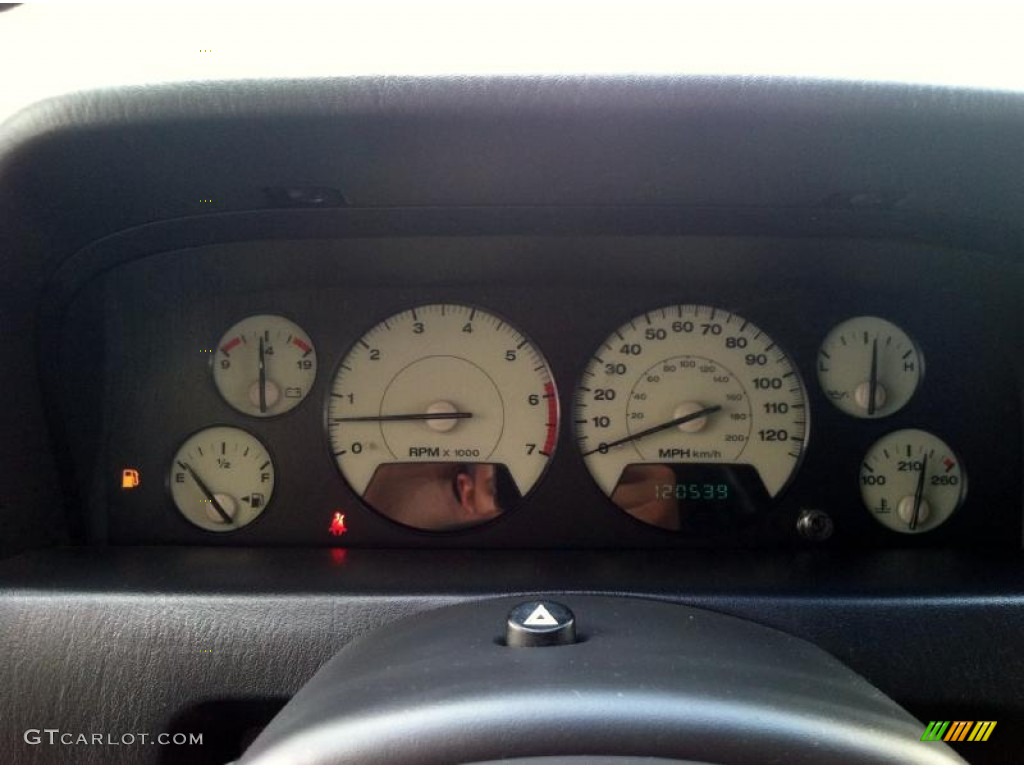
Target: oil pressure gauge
{"x":911,"y":481}
{"x":264,"y":365}
{"x":221,"y":479}
{"x":869,"y":368}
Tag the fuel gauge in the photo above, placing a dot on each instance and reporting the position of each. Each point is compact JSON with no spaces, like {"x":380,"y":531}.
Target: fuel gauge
{"x":868,"y":367}
{"x":221,"y":479}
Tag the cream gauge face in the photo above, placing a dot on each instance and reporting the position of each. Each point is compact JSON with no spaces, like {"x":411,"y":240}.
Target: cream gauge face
{"x":264,"y":365}
{"x":442,"y":417}
{"x":687,"y":411}
{"x":869,"y":367}
{"x":911,"y":481}
{"x":221,"y":479}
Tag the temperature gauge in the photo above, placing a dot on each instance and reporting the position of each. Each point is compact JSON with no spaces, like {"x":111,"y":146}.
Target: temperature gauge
{"x":868,"y":367}
{"x":264,"y":365}
{"x":911,"y":481}
{"x":221,"y":479}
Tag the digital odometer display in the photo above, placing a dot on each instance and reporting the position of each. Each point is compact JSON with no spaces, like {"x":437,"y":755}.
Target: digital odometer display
{"x":697,"y":498}
{"x":682,"y":386}
{"x":692,"y":491}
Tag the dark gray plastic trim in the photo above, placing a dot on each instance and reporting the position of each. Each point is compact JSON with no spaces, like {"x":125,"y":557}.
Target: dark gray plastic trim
{"x":648,"y":679}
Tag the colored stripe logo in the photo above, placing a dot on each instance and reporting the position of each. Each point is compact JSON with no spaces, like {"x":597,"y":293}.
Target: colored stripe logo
{"x":958,"y":730}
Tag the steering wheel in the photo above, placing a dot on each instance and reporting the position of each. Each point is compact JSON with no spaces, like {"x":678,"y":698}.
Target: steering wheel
{"x":598,"y":678}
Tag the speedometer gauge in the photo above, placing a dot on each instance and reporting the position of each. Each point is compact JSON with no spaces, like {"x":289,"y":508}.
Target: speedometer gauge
{"x":442,"y":417}
{"x":688,"y":416}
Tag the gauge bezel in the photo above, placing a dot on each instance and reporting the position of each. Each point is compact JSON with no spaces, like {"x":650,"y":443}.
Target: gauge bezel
{"x":269,"y":417}
{"x":921,"y":362}
{"x":964,"y":486}
{"x":447,"y":532}
{"x":776,"y":500}
{"x":169,"y":466}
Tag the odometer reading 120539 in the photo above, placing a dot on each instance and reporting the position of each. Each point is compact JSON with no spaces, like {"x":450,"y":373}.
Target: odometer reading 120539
{"x":690,"y":415}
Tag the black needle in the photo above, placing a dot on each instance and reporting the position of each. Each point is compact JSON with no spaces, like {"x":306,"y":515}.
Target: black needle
{"x":873,"y":379}
{"x":661,"y":427}
{"x":407,"y":417}
{"x":207,"y":492}
{"x":919,"y":493}
{"x":263,"y":380}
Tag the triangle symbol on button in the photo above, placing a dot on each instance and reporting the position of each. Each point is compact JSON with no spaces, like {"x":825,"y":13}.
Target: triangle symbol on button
{"x":541,"y":617}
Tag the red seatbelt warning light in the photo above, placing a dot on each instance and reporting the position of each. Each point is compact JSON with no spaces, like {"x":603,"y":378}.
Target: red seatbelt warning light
{"x":337,"y":527}
{"x":338,"y":555}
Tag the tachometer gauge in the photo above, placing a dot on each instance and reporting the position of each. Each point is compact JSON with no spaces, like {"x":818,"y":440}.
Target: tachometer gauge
{"x":868,"y":367}
{"x":911,"y":481}
{"x":264,"y":365}
{"x":442,"y":417}
{"x":690,"y":415}
{"x":221,"y":479}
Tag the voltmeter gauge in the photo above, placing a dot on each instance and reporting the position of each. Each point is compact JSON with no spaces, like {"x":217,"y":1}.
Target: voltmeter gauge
{"x":911,"y":481}
{"x":442,"y":417}
{"x":264,"y":365}
{"x":691,"y":417}
{"x":221,"y":479}
{"x":869,"y":367}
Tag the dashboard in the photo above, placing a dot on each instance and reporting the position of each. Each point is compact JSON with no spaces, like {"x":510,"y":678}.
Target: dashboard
{"x":538,"y":391}
{"x":293,"y":361}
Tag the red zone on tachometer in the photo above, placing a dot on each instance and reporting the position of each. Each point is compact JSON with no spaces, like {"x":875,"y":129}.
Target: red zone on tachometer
{"x":552,"y":423}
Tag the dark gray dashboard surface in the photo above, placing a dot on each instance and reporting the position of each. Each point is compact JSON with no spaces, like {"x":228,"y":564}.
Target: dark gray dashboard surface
{"x":110,"y":640}
{"x":214,"y":640}
{"x":890,"y":158}
{"x":133,"y":380}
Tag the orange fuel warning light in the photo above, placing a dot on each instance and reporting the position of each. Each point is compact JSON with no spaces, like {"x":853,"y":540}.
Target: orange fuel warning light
{"x":129,"y":478}
{"x":337,"y":527}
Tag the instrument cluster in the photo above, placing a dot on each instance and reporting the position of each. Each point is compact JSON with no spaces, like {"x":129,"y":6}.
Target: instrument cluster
{"x":445,"y":416}
{"x":441,"y":418}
